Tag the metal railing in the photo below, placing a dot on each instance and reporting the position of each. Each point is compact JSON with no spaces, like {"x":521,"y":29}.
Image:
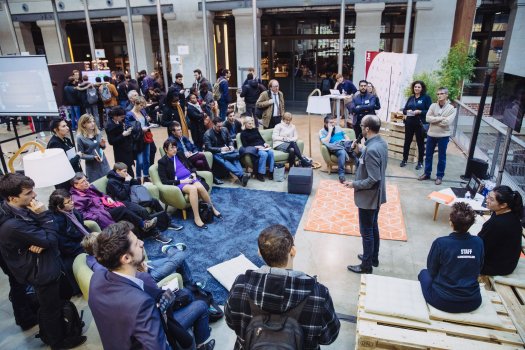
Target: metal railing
{"x":489,"y":146}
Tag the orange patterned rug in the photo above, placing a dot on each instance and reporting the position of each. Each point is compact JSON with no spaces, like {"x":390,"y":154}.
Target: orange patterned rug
{"x":334,"y":211}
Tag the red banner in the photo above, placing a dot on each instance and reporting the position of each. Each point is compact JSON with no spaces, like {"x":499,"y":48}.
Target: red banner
{"x":370,"y":55}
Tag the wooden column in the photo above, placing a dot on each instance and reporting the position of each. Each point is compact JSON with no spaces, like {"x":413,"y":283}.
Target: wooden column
{"x":463,"y":21}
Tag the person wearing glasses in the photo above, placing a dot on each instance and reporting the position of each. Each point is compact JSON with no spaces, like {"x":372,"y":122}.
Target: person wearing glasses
{"x":272,"y":104}
{"x":440,"y":116}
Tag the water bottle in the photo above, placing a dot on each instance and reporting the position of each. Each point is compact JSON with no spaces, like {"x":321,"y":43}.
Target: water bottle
{"x":467,"y":195}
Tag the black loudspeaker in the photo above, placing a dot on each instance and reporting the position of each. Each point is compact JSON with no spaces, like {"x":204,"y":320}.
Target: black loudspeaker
{"x":478,"y":167}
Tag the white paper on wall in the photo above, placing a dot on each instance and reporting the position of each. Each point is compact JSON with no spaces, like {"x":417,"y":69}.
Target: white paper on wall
{"x":391,"y":73}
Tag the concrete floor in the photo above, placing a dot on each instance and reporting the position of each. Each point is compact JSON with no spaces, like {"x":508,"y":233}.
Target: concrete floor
{"x":324,"y":255}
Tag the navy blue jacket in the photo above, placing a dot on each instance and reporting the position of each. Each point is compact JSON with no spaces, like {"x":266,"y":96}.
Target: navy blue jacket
{"x":187,"y":143}
{"x":69,"y":237}
{"x":363,"y":104}
{"x":348,"y":86}
{"x":454,"y":262}
{"x":422,"y":103}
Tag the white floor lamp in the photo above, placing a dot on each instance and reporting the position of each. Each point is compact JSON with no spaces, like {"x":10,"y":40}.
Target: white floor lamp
{"x":46,"y":167}
{"x":316,"y":105}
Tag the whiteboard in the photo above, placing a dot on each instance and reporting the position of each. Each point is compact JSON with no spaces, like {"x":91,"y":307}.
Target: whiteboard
{"x":25,"y":87}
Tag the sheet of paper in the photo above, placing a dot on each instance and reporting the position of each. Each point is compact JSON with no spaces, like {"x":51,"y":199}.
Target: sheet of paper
{"x":172,"y":285}
{"x":71,"y":153}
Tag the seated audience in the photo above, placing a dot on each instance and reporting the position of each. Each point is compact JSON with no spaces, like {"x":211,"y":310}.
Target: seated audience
{"x":174,"y":169}
{"x":331,"y":136}
{"x":104,"y":210}
{"x":184,"y":145}
{"x":71,"y":230}
{"x":277,"y":288}
{"x":501,"y":234}
{"x":251,"y":137}
{"x":285,"y":137}
{"x":124,"y":302}
{"x":217,"y":140}
{"x":450,"y":281}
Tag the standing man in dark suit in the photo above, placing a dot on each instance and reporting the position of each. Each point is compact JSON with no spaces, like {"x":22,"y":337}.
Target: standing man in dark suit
{"x":370,"y":191}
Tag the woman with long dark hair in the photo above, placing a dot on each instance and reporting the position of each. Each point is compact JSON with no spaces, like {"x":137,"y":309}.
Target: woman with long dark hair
{"x":501,"y":234}
{"x":415,"y":123}
{"x":60,"y":140}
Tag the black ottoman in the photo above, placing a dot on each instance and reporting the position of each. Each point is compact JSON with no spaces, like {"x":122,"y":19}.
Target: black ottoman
{"x":300,"y":180}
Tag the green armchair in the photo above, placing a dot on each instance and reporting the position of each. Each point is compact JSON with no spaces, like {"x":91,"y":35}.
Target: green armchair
{"x":330,"y":159}
{"x":172,"y":195}
{"x":83,"y":275}
{"x":280,"y":157}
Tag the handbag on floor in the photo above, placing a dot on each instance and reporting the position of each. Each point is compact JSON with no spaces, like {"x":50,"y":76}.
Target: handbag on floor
{"x":278,"y":173}
{"x":205,"y":212}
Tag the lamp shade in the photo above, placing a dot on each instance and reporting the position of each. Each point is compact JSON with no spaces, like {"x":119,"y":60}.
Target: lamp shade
{"x":319,"y":105}
{"x":48,"y":168}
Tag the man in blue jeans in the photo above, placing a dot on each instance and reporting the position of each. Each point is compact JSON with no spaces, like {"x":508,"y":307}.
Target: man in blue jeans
{"x":369,"y":191}
{"x":331,"y":136}
{"x":217,"y":140}
{"x":440,"y":116}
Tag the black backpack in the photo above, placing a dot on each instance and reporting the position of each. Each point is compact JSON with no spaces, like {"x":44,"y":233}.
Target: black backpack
{"x":205,"y":212}
{"x":73,"y":323}
{"x":270,"y":331}
{"x":139,"y":194}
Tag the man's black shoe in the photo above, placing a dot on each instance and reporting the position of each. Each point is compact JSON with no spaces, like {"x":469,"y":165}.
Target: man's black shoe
{"x":70,"y":343}
{"x":359,"y":269}
{"x":217,"y":181}
{"x":342,"y":179}
{"x":374,"y":264}
{"x":245,"y":179}
{"x":260,"y":177}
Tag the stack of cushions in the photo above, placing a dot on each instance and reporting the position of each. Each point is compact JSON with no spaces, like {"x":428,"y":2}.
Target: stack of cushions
{"x":226,"y":272}
{"x":516,"y":278}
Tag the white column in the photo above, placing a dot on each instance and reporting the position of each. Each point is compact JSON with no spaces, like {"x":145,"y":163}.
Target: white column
{"x":367,"y":30}
{"x":25,"y":37}
{"x":514,"y":46}
{"x":244,"y":41}
{"x":185,"y":29}
{"x":49,"y":34}
{"x":433,"y":28}
{"x":142,"y":35}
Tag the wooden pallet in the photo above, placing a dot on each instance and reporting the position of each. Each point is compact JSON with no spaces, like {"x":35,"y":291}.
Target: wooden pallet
{"x":388,"y":332}
{"x":513,"y":299}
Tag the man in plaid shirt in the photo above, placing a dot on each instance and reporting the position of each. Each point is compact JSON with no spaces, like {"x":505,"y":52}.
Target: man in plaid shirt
{"x":277,"y":288}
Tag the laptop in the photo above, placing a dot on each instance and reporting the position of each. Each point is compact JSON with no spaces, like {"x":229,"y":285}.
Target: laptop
{"x":334,"y":92}
{"x":472,"y":187}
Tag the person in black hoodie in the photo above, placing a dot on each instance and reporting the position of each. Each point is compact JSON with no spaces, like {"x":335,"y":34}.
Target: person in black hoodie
{"x":120,"y":138}
{"x":29,"y":245}
{"x":251,"y":91}
{"x":69,"y":223}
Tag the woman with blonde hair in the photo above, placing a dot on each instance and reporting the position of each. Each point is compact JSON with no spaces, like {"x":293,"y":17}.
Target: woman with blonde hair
{"x":251,"y":137}
{"x":91,"y":144}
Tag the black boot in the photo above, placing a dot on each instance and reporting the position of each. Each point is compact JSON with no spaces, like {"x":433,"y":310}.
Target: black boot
{"x":270,"y":175}
{"x":260,"y":177}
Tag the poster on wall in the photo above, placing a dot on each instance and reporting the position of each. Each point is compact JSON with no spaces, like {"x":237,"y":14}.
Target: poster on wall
{"x":390,"y":73}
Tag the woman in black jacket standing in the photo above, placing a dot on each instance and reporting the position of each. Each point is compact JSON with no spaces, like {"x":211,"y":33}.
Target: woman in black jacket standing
{"x":172,"y":111}
{"x":60,"y":140}
{"x":416,"y":113}
{"x":120,"y":138}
